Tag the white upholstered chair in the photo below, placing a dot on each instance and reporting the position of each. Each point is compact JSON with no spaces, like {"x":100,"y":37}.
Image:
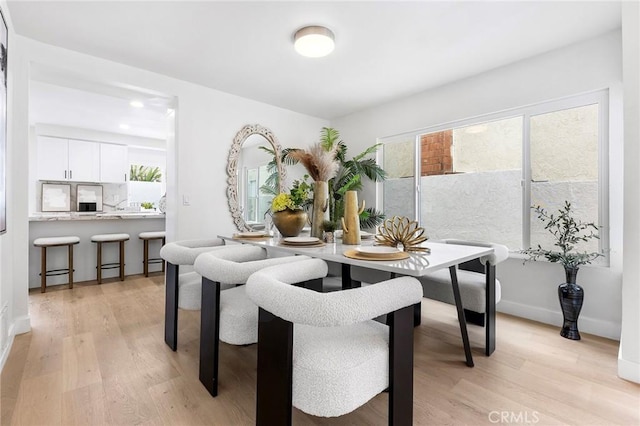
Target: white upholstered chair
{"x":479,"y":305}
{"x":229,"y":315}
{"x":182,"y":290}
{"x":323,"y":353}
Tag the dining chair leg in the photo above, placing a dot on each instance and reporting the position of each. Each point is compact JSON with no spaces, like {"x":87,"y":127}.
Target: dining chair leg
{"x":461,"y":318}
{"x":490,"y":309}
{"x":401,"y":367}
{"x":274,"y":395}
{"x":171,"y":306}
{"x":209,"y":335}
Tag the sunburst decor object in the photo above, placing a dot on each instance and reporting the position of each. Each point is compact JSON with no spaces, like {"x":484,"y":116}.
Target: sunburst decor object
{"x":399,"y":230}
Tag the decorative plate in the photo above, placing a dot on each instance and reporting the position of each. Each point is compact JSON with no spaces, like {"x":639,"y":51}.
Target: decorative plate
{"x":252,"y":234}
{"x":376,"y":250}
{"x":301,"y":240}
{"x":355,"y":254}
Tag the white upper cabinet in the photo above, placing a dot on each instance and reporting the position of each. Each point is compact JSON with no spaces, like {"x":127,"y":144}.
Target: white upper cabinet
{"x":114,"y":164}
{"x":81,"y":161}
{"x":53,"y":158}
{"x":84,"y":161}
{"x":72,"y":160}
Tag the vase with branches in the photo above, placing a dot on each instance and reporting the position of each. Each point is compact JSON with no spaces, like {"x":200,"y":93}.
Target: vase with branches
{"x":348,"y":177}
{"x":568,"y":233}
{"x":322,"y":165}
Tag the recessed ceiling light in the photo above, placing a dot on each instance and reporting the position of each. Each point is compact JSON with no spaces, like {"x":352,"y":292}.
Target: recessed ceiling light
{"x":136,"y":104}
{"x":314,"y":42}
{"x":124,"y":126}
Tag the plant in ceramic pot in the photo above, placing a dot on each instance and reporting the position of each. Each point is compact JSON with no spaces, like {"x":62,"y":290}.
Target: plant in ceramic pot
{"x":568,"y":233}
{"x":328,"y":228}
{"x":287,"y":209}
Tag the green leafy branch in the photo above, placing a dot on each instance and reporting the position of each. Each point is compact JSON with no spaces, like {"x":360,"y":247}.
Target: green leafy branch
{"x":568,"y":233}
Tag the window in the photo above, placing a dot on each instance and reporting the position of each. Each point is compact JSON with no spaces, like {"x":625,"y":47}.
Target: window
{"x":257,"y":202}
{"x":476,"y":179}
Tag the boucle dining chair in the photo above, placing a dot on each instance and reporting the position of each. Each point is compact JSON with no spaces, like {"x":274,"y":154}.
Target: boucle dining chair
{"x":479,"y":305}
{"x":229,"y":315}
{"x":323,"y":354}
{"x":182,"y":290}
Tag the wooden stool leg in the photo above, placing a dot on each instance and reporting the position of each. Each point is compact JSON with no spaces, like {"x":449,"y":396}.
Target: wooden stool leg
{"x":99,"y":262}
{"x":163,"y":262}
{"x":70,"y":265}
{"x":43,"y":270}
{"x":121,"y":260}
{"x":145,"y":258}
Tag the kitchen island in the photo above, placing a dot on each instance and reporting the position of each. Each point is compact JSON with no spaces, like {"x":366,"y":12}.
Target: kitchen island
{"x":84,"y":225}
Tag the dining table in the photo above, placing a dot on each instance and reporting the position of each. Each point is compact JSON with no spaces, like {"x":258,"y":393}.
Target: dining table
{"x":418,"y":264}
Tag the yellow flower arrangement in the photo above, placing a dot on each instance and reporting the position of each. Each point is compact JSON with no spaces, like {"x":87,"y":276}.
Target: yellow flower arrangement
{"x":282,"y":202}
{"x":295,"y":199}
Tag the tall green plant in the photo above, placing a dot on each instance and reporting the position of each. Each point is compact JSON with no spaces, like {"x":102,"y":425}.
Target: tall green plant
{"x":349,"y":176}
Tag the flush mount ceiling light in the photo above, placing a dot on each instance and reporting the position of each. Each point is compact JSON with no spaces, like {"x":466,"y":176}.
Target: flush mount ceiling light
{"x":136,"y":104}
{"x":125,"y":126}
{"x":314,"y":42}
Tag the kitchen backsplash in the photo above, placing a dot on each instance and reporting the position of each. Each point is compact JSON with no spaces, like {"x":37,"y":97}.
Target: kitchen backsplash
{"x":114,"y":195}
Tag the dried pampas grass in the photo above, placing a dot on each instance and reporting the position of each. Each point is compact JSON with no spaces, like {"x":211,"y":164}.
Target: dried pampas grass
{"x":322,"y":165}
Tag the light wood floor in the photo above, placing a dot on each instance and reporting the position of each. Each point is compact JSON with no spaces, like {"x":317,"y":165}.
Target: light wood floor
{"x":96,"y":355}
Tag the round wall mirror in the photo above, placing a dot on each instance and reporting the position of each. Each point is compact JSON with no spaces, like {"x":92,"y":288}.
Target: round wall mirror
{"x":255,"y":175}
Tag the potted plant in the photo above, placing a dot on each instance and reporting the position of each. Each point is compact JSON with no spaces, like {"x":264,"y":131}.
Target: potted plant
{"x":328,"y":228}
{"x":287,"y":209}
{"x":347,"y":177}
{"x":567,"y":232}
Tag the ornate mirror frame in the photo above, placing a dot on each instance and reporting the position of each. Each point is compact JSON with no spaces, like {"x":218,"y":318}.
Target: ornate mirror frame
{"x":232,"y":168}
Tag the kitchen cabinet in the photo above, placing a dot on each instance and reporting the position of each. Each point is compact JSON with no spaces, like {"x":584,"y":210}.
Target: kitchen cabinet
{"x":68,"y":160}
{"x":114,"y":164}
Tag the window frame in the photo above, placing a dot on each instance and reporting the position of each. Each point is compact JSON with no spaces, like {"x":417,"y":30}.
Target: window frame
{"x":599,"y":97}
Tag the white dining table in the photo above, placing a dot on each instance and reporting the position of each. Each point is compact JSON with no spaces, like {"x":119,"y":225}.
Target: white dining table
{"x":418,"y":264}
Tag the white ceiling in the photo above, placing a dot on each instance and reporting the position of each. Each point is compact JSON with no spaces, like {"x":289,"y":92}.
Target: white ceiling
{"x":384,"y":50}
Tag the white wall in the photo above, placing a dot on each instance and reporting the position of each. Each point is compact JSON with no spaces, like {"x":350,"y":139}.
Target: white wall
{"x":206,"y":122}
{"x":17,"y":320}
{"x":528,"y":290}
{"x":629,"y":356}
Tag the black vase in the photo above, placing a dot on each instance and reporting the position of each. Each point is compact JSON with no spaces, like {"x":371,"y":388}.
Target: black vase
{"x":571,"y":296}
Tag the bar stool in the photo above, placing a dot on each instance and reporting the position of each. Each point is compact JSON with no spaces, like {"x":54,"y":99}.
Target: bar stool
{"x":110,"y":238}
{"x":145,"y":237}
{"x":68,"y":241}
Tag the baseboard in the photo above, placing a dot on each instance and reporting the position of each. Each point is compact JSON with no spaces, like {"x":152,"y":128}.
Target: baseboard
{"x":6,"y":351}
{"x":608,"y":329}
{"x":22,"y":325}
{"x":628,"y":370}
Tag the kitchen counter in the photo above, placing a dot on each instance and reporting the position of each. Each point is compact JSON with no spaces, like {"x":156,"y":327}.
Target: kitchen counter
{"x":84,"y":225}
{"x":52,"y":217}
